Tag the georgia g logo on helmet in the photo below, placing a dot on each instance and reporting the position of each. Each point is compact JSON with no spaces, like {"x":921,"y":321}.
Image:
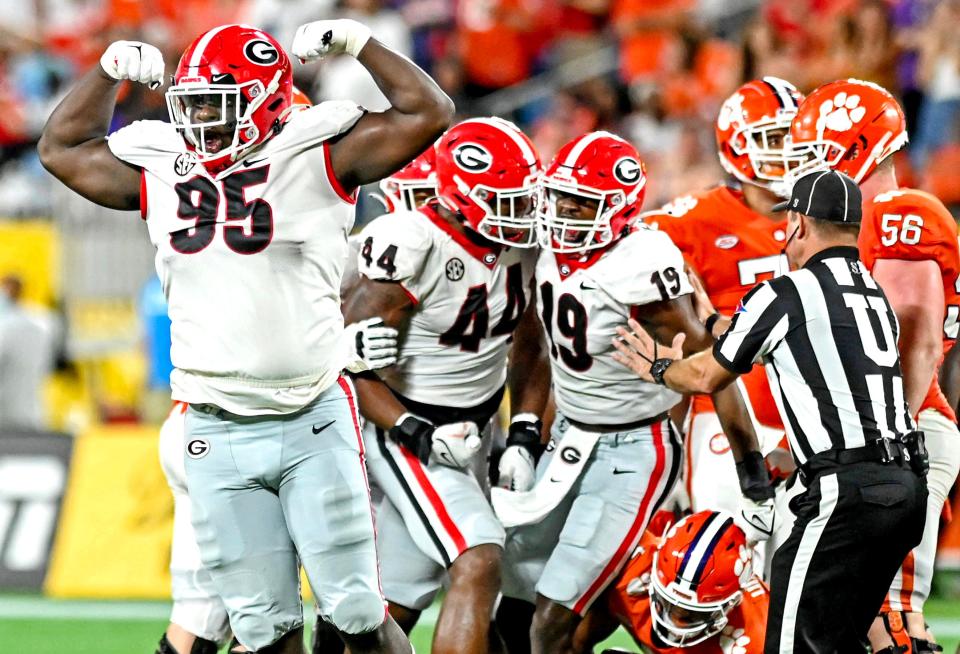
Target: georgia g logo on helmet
{"x":472,"y":157}
{"x":627,"y":170}
{"x":261,"y":52}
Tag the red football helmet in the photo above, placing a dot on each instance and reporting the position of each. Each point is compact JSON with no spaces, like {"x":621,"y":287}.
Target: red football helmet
{"x":234,"y":84}
{"x":752,"y":128}
{"x":698,"y":574}
{"x":412,"y":185}
{"x":849,"y":126}
{"x":593,"y":190}
{"x":487,"y":172}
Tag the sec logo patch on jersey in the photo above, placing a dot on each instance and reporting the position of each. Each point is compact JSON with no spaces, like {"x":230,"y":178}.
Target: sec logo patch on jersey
{"x":454,"y":269}
{"x":184,"y":163}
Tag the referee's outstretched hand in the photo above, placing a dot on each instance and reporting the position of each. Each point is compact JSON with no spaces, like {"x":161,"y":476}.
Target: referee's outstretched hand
{"x":637,"y":350}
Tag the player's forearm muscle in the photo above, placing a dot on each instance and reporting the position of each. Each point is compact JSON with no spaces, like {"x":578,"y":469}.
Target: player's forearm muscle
{"x":529,"y":378}
{"x":366,"y":299}
{"x":73,"y":146}
{"x":915,"y":292}
{"x":701,"y":373}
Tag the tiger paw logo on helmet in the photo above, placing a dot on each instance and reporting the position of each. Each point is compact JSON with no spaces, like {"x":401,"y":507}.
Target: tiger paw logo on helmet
{"x":840,"y":113}
{"x":731,"y":113}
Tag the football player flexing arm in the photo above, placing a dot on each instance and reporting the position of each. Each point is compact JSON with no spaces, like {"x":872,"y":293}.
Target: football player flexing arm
{"x":248,"y":205}
{"x":732,"y":239}
{"x":455,"y":279}
{"x":691,"y":590}
{"x":908,"y":240}
{"x":595,"y":270}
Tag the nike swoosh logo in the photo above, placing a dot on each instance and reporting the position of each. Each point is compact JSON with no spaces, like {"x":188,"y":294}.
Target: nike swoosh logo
{"x":555,"y":480}
{"x":317,"y":430}
{"x":584,"y":287}
{"x":617,"y":471}
{"x":253,"y":162}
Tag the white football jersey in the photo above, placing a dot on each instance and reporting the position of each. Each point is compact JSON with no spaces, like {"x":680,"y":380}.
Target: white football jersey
{"x":469,"y":298}
{"x":250,"y":261}
{"x":581,"y":305}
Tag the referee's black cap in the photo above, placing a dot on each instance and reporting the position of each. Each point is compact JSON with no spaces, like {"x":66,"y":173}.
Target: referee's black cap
{"x":825,"y":195}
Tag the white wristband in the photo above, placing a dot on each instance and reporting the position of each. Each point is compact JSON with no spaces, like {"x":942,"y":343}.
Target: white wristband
{"x":355,"y":38}
{"x":525,"y":417}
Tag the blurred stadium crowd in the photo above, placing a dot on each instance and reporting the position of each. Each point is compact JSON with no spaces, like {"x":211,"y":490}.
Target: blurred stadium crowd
{"x":654,"y":71}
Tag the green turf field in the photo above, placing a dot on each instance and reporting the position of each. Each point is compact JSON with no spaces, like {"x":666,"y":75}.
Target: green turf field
{"x":34,"y":625}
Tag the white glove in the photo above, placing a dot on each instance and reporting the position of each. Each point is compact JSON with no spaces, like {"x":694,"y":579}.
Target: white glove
{"x":456,"y":444}
{"x":135,"y":61}
{"x":370,"y":345}
{"x":756,"y":519}
{"x":329,"y":37}
{"x":518,"y":470}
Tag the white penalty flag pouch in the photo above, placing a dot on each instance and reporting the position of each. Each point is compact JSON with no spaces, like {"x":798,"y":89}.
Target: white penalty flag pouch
{"x":516,"y":508}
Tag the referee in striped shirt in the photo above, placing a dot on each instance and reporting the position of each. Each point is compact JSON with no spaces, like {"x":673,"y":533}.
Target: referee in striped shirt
{"x":828,"y":340}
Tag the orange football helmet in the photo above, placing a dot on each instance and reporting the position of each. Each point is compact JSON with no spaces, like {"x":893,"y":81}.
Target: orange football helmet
{"x":849,"y":126}
{"x":751,"y":131}
{"x":698,"y":574}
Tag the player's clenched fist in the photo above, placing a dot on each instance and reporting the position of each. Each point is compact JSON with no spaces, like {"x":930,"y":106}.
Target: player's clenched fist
{"x":135,"y":61}
{"x":329,"y":37}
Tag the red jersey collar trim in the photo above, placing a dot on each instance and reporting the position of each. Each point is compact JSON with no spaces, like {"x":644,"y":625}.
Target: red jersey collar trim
{"x":567,"y":264}
{"x":486,"y":253}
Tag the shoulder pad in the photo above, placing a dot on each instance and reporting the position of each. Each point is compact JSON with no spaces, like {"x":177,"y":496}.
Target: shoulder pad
{"x":142,"y":142}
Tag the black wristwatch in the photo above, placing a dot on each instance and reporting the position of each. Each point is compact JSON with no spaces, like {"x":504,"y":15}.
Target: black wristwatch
{"x":658,"y":368}
{"x":710,"y":322}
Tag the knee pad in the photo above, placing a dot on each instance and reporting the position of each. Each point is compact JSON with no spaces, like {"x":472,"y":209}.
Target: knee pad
{"x":358,"y":613}
{"x":200,"y":646}
{"x":203,"y":617}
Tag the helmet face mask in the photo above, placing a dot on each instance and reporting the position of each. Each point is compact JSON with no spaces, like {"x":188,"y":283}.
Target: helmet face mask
{"x":509,"y":214}
{"x":576,"y":219}
{"x":683,"y":623}
{"x":213,"y":117}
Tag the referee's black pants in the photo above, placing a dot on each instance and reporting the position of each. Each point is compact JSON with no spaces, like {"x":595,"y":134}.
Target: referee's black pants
{"x":855,"y":525}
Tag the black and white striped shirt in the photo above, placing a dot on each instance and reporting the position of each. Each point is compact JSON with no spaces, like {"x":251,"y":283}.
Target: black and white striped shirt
{"x":828,"y":340}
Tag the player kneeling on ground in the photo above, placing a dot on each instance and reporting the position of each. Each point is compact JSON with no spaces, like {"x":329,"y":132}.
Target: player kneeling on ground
{"x":691,"y":589}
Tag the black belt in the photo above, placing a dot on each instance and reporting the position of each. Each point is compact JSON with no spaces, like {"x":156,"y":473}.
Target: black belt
{"x":627,"y":426}
{"x":885,"y":450}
